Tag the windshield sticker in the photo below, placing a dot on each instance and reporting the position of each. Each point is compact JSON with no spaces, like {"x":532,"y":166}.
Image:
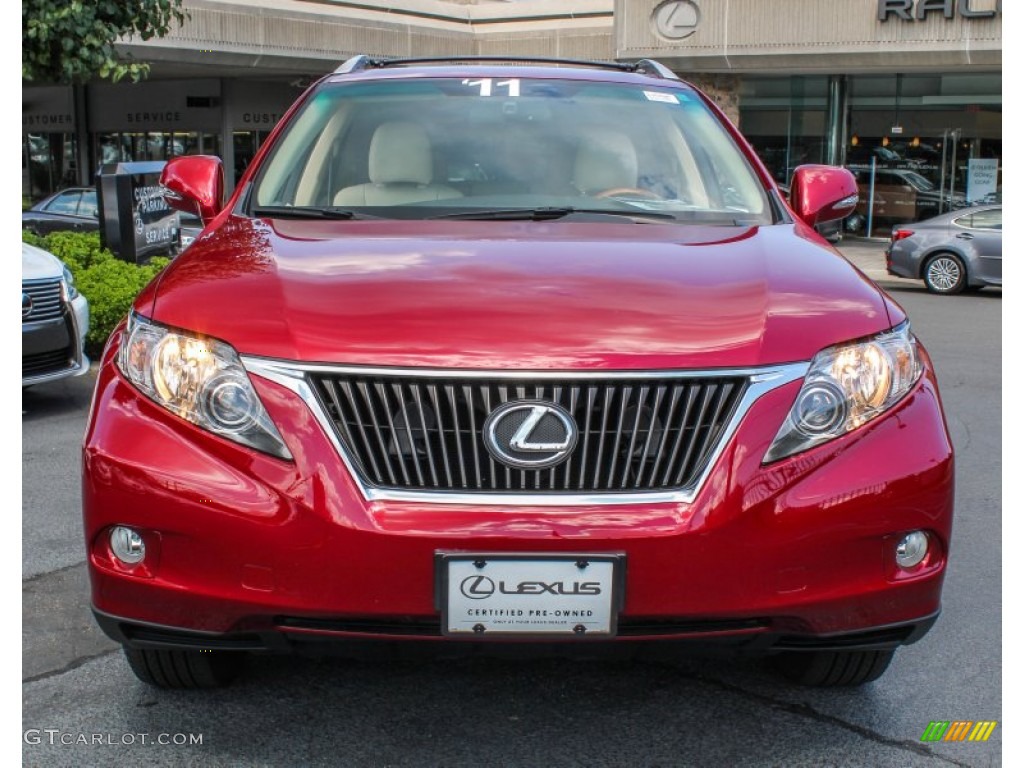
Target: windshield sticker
{"x":667,"y":98}
{"x":488,"y":86}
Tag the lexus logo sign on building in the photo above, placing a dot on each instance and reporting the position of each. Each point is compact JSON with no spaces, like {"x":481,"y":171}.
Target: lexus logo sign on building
{"x":676,"y":19}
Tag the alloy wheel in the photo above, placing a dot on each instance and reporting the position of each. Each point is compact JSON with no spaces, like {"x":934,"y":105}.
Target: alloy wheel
{"x":944,"y":274}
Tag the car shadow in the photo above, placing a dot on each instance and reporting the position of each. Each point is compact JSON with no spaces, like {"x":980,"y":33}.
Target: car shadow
{"x":484,"y":711}
{"x":987,"y":293}
{"x":57,"y":398}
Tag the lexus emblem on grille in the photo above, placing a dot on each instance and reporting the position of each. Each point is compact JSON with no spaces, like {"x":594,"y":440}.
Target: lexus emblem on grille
{"x":26,"y":305}
{"x":530,"y":434}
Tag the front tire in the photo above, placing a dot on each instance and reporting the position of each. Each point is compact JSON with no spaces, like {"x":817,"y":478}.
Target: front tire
{"x":186,"y":670}
{"x":833,"y":668}
{"x":945,"y":273}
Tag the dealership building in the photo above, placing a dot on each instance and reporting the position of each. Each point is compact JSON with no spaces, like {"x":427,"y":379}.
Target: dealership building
{"x":913,"y":87}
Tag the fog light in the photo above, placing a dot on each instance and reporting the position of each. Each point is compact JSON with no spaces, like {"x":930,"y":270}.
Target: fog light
{"x":127,"y":545}
{"x":912,"y":549}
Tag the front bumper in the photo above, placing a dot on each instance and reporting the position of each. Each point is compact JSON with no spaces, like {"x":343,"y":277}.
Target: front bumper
{"x":741,"y":638}
{"x":55,"y":349}
{"x":245,"y":550}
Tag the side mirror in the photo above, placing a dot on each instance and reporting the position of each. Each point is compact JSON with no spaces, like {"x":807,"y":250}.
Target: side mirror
{"x":194,"y":184}
{"x":821,"y":193}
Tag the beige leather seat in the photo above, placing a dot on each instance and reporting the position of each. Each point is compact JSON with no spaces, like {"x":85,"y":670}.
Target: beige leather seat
{"x":401,"y":168}
{"x":605,"y":159}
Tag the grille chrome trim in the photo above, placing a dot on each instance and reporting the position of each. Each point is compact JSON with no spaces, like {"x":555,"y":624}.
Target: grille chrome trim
{"x":47,"y":299}
{"x":293,"y":376}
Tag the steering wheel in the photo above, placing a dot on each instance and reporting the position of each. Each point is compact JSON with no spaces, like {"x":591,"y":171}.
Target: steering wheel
{"x":630,"y":192}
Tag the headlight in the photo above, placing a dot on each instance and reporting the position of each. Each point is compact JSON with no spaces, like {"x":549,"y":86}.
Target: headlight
{"x":68,"y":286}
{"x":847,"y":386}
{"x":199,"y":379}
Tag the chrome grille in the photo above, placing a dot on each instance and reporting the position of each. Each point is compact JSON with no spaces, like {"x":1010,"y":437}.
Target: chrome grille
{"x":47,"y":303}
{"x":635,"y":435}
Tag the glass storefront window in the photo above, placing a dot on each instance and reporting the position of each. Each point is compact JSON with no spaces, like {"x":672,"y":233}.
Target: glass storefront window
{"x":49,"y":163}
{"x":154,"y":145}
{"x":785,"y":119}
{"x":911,"y":142}
{"x":246,"y":144}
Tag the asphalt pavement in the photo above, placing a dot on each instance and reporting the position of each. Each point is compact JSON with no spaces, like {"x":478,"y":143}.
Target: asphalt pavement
{"x":83,"y":707}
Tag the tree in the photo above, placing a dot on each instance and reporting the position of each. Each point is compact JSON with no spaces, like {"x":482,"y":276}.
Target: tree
{"x":70,"y":42}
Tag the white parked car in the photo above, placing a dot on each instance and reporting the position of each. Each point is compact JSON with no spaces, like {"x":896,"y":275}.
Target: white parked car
{"x":54,"y":319}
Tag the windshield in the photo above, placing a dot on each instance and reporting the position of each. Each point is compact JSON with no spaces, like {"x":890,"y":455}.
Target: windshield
{"x":426,"y":148}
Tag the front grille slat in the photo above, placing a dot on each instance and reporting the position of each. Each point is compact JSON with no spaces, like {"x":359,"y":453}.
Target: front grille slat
{"x":473,"y":435}
{"x":722,"y":397}
{"x":393,"y":443}
{"x":342,"y":419}
{"x":574,"y":396}
{"x":705,"y":401}
{"x":411,"y":448}
{"x":359,"y":420}
{"x":609,"y":394}
{"x":439,"y":415}
{"x":47,"y":299}
{"x":449,"y":391}
{"x":367,"y":394}
{"x":641,"y":401}
{"x":620,"y":419}
{"x":691,"y":396}
{"x":639,"y":434}
{"x":486,"y":391}
{"x":557,"y":397}
{"x":417,"y":397}
{"x":502,"y":399}
{"x":677,"y":393}
{"x":659,"y":393}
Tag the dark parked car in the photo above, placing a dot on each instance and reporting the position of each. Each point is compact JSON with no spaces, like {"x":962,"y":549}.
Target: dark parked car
{"x":189,"y":228}
{"x":502,"y":353}
{"x":901,"y":196}
{"x":952,"y":252}
{"x":74,"y":209}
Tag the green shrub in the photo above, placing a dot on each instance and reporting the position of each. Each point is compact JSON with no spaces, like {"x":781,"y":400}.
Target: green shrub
{"x":79,"y":250}
{"x":31,"y":238}
{"x":109,"y":284}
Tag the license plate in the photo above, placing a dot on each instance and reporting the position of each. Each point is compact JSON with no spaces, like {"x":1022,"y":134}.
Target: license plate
{"x":489,"y":595}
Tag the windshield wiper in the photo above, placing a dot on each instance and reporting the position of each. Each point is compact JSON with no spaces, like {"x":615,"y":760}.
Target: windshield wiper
{"x":307,"y":212}
{"x":549,"y":213}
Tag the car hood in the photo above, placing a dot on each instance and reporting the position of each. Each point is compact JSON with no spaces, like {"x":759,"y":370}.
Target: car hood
{"x":530,"y":295}
{"x":37,"y":264}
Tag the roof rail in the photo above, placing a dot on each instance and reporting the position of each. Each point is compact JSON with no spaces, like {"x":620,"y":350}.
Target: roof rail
{"x":644,"y":66}
{"x":355,"y":64}
{"x":654,"y":68}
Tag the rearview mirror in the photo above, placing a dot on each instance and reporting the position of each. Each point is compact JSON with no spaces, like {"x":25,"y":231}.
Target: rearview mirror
{"x":194,"y":184}
{"x":821,"y":193}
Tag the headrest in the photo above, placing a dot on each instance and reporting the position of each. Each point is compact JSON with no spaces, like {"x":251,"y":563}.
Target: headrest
{"x":400,"y":154}
{"x":605,"y":159}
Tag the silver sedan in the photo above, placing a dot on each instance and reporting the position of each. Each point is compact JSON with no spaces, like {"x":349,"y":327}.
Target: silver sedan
{"x":952,"y":252}
{"x":54,"y":319}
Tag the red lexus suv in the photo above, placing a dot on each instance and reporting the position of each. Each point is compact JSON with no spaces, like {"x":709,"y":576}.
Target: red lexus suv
{"x":525,"y":352}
